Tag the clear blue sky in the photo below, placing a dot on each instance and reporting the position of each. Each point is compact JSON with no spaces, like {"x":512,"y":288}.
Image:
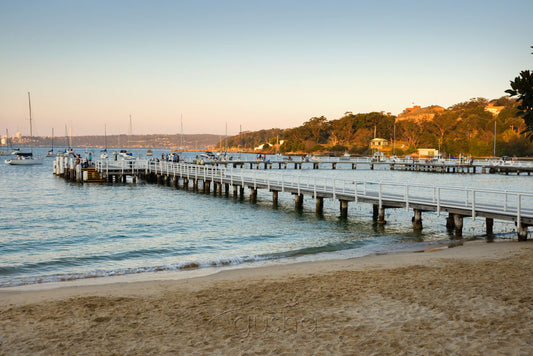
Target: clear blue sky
{"x":259,"y":64}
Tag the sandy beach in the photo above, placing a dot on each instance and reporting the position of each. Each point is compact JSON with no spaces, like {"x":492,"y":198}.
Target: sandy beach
{"x":474,"y":299}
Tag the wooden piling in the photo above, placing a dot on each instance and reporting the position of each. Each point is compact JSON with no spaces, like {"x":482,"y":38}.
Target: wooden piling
{"x":344,"y":208}
{"x":319,"y":205}
{"x":458,"y":225}
{"x":450,"y":224}
{"x":489,"y":224}
{"x":417,"y":220}
{"x":298,"y":201}
{"x":522,"y":232}
{"x":275,"y":198}
{"x":253,"y":195}
{"x":381,"y":216}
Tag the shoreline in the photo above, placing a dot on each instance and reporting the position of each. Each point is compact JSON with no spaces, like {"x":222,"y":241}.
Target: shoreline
{"x":387,"y":259}
{"x":204,"y":270}
{"x":472,"y":298}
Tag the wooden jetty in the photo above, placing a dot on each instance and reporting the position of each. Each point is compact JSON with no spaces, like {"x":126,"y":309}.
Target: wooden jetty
{"x":458,"y":203}
{"x":417,"y":166}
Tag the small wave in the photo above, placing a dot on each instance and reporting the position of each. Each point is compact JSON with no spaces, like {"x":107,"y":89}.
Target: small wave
{"x":182,"y":266}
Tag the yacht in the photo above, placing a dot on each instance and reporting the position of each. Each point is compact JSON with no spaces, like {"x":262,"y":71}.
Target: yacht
{"x":25,"y":158}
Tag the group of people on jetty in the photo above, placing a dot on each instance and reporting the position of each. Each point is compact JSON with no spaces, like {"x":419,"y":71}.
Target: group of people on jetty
{"x":84,"y":162}
{"x":169,"y":157}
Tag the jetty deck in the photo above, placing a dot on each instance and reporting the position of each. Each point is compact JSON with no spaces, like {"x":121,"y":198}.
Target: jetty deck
{"x":458,"y":203}
{"x":449,"y":166}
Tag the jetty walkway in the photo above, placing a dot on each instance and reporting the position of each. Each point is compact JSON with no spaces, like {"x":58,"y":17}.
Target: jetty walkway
{"x":448,"y":166}
{"x":458,"y":203}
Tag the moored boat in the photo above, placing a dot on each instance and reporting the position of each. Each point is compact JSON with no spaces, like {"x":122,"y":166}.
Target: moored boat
{"x":24,"y":159}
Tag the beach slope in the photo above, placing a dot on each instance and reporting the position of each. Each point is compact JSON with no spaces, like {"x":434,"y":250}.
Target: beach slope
{"x":470,"y":299}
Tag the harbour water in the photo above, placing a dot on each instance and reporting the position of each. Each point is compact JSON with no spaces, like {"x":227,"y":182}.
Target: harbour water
{"x":52,"y":230}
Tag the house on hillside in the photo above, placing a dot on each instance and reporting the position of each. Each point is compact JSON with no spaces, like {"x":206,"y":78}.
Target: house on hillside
{"x":419,"y":114}
{"x":494,"y":110}
{"x":379,"y":144}
{"x":427,"y":152}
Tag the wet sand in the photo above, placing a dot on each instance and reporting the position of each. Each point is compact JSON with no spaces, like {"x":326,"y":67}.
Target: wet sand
{"x":475,"y":299}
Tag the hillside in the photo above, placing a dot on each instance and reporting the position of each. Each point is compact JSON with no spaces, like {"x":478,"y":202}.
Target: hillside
{"x":464,"y":128}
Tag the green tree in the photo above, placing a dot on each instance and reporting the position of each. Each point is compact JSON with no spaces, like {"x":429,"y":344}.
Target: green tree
{"x":442,"y":124}
{"x":522,"y":86}
{"x":317,"y":127}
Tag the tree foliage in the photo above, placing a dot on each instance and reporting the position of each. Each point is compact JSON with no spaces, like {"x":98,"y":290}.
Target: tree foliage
{"x":466,"y":128}
{"x":522,"y":87}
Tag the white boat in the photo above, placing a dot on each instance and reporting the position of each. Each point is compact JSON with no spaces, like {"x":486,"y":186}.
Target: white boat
{"x":126,"y":155}
{"x":25,"y":158}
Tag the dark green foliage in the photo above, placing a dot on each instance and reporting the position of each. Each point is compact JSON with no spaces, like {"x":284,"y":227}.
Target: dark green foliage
{"x":522,"y":87}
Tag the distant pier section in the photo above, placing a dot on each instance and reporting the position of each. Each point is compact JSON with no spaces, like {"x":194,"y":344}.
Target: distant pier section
{"x":450,"y":166}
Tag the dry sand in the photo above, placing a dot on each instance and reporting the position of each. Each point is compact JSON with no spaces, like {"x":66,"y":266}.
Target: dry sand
{"x":475,"y":299}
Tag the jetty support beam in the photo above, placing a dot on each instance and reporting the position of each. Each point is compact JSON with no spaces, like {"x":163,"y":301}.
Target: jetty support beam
{"x":458,"y":225}
{"x":275,"y":194}
{"x":417,"y":220}
{"x":344,"y":208}
{"x":450,"y":224}
{"x":319,"y":205}
{"x":378,"y":214}
{"x":489,"y":224}
{"x":253,"y":195}
{"x":522,"y":232}
{"x":298,"y":201}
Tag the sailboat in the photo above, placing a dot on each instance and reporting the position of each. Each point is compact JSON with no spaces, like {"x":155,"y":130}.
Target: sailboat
{"x":51,"y":152}
{"x":176,"y":152}
{"x":68,"y":138}
{"x":25,"y":158}
{"x":104,"y":154}
{"x":180,"y":148}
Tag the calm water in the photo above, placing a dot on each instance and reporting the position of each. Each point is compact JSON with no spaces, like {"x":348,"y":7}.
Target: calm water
{"x":51,"y":230}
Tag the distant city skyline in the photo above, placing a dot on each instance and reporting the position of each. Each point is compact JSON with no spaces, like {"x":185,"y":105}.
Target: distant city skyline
{"x":250,"y":65}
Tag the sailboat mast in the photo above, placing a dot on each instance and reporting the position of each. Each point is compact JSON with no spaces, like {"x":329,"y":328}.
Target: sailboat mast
{"x":129,"y":133}
{"x":181,"y":130}
{"x":29,"y":104}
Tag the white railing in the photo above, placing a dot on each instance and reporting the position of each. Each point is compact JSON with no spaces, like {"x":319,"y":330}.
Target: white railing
{"x":511,"y":203}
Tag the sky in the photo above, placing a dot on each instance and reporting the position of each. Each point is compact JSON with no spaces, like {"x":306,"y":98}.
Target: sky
{"x":248,"y":65}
